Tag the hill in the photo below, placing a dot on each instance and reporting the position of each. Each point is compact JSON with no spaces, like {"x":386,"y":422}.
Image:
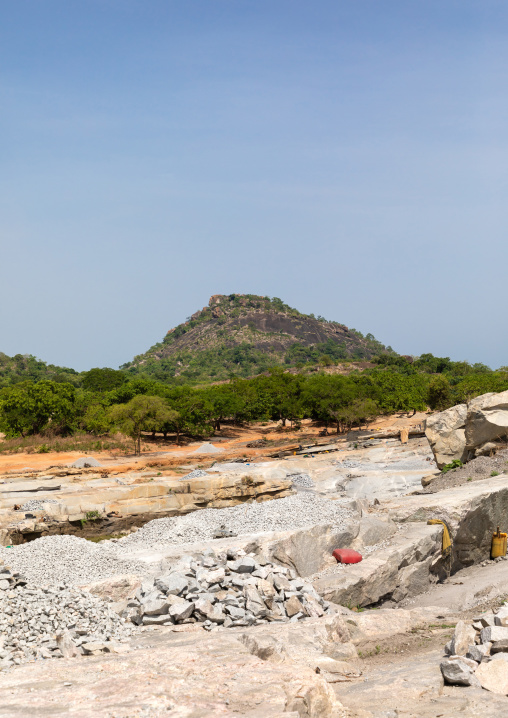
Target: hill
{"x":244,"y":335}
{"x":25,"y":367}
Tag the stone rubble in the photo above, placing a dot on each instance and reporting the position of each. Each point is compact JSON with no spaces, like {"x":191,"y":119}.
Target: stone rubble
{"x":228,"y":590}
{"x":478,"y":653}
{"x":302,"y":481}
{"x":40,"y":622}
{"x":300,"y":510}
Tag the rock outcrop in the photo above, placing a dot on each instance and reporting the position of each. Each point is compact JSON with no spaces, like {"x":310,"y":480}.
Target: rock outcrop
{"x":468,"y":430}
{"x":487,"y":420}
{"x":446,"y":434}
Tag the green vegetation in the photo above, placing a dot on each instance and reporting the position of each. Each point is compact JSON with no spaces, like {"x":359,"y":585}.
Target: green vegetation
{"x":455,"y":464}
{"x":47,"y":415}
{"x":92,"y":515}
{"x":27,"y":368}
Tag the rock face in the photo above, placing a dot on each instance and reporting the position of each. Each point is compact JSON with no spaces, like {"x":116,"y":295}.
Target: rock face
{"x":400,"y":571}
{"x":487,"y":419}
{"x":446,"y":434}
{"x":468,"y":430}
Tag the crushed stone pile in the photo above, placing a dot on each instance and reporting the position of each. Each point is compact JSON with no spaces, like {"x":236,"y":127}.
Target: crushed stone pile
{"x":84,"y":462}
{"x":302,"y":480}
{"x":36,"y":504}
{"x":478,"y":653}
{"x":292,"y":512}
{"x":231,"y":589}
{"x":53,"y":559}
{"x":208,"y":448}
{"x":40,"y":622}
{"x":196,"y":474}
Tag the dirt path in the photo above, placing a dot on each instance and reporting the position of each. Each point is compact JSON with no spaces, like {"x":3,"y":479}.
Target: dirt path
{"x":468,"y":589}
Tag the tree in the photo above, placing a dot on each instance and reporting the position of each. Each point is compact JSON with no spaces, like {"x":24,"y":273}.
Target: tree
{"x":440,"y":393}
{"x":28,"y":408}
{"x":141,"y":413}
{"x":103,"y":379}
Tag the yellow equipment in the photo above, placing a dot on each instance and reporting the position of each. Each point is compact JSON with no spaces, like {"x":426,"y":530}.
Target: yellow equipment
{"x":499,"y":541}
{"x":447,"y":539}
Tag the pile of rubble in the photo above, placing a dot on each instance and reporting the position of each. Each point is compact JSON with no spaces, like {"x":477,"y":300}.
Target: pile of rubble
{"x":303,"y":481}
{"x":229,"y":590}
{"x":39,"y":622}
{"x":478,"y":653}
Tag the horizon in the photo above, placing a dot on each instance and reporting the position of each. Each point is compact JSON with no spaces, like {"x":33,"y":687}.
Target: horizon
{"x":350,"y":159}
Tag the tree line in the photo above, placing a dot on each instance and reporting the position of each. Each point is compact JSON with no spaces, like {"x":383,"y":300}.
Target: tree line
{"x":109,"y":400}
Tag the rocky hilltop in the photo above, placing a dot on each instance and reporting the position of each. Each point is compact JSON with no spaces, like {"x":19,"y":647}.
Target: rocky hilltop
{"x":245,"y":334}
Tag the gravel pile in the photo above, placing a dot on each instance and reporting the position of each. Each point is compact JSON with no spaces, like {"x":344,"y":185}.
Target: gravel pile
{"x":346,"y":463}
{"x":196,"y":474}
{"x":293,"y":512}
{"x":229,"y":590}
{"x":85,"y":462}
{"x":208,"y":448}
{"x":53,"y":559}
{"x":475,"y":470}
{"x":36,"y":504}
{"x":51,"y":622}
{"x":302,"y":480}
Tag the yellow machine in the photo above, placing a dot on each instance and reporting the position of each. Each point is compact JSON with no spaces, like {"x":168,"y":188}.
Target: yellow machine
{"x":499,"y":541}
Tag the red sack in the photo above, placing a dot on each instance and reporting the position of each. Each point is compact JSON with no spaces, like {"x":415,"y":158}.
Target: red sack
{"x":347,"y":555}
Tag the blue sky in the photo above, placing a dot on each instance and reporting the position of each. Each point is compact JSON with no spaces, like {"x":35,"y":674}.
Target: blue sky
{"x":348,"y":157}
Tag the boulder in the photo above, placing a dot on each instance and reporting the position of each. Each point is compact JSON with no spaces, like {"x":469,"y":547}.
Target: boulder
{"x":181,"y":610}
{"x":115,"y":589}
{"x":293,"y":606}
{"x":486,"y":449}
{"x":174,"y":583}
{"x":66,"y":644}
{"x":154,"y":606}
{"x":493,"y":633}
{"x":458,"y":673}
{"x":487,"y":419}
{"x":243,"y":565}
{"x":446,"y":434}
{"x":493,"y":676}
{"x":478,"y":653}
{"x":499,"y":646}
{"x":463,"y":636}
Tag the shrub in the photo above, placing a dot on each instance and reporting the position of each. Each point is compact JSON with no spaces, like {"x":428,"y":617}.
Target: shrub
{"x":455,"y":464}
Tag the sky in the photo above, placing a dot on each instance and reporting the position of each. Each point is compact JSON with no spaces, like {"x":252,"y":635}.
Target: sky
{"x":350,"y":158}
